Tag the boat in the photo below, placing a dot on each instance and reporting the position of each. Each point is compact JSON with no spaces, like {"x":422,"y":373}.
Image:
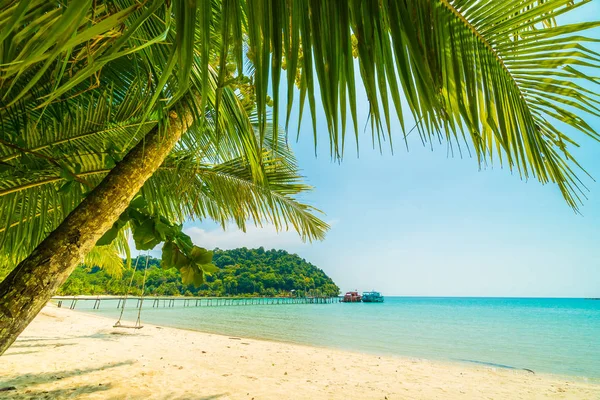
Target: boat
{"x":351,"y":297}
{"x":372,"y":297}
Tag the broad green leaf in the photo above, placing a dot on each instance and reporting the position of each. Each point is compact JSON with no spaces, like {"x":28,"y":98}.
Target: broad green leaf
{"x":172,"y":257}
{"x":108,"y":237}
{"x":169,"y":253}
{"x":210,"y":268}
{"x":200,"y":255}
{"x":145,"y":235}
{"x":114,"y":231}
{"x":163,"y":229}
{"x":138,"y":203}
{"x":191,"y":274}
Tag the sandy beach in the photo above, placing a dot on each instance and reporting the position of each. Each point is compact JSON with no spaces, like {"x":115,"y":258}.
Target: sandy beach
{"x":65,"y":354}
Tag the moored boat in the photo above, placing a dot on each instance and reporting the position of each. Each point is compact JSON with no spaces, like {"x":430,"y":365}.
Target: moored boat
{"x":351,"y":297}
{"x":372,"y":297}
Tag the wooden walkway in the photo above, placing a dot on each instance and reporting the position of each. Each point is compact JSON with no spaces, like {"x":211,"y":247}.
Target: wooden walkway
{"x":171,"y":301}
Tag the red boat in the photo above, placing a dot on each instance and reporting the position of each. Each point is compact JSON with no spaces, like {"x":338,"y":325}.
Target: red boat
{"x":351,"y":297}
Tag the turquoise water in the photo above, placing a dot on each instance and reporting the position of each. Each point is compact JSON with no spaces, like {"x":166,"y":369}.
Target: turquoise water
{"x":559,"y":336}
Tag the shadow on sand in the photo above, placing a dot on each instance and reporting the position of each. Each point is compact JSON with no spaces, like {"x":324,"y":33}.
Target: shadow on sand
{"x":25,"y":382}
{"x":31,"y":348}
{"x":66,"y":393}
{"x":25,"y":386}
{"x":17,"y":345}
{"x":7,"y":354}
{"x":184,"y":397}
{"x":102,"y":335}
{"x":36,"y":339}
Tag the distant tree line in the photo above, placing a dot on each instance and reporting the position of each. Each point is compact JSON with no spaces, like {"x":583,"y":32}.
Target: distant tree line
{"x":241,"y":272}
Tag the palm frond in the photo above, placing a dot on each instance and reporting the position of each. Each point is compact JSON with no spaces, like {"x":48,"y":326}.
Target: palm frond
{"x":185,"y":188}
{"x":65,"y":151}
{"x":501,"y":75}
{"x":107,"y":258}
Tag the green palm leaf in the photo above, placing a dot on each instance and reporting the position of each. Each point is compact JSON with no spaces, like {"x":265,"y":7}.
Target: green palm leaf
{"x":83,"y":83}
{"x":210,"y":171}
{"x":501,"y":75}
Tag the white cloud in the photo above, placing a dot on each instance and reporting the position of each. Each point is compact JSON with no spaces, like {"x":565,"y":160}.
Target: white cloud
{"x":266,"y":236}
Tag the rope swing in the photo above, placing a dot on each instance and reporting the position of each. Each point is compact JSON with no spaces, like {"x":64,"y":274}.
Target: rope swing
{"x":138,"y":322}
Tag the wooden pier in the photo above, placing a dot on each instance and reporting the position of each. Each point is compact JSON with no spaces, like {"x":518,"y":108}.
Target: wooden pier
{"x":172,"y":301}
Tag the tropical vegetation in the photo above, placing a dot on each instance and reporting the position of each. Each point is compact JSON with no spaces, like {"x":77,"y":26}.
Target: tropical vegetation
{"x":104,"y":103}
{"x":241,"y":272}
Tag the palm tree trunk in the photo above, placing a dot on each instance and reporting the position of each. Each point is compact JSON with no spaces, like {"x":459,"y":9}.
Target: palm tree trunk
{"x":30,"y":285}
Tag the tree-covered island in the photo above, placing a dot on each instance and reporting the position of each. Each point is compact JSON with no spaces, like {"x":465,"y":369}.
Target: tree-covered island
{"x":241,"y":272}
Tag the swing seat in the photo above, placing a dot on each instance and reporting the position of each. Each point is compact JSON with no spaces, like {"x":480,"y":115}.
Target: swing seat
{"x":138,"y":324}
{"x":118,"y":324}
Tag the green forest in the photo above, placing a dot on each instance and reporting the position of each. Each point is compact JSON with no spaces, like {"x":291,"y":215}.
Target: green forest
{"x":241,"y":272}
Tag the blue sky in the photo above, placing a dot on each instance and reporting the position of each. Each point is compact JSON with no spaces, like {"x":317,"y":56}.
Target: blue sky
{"x":423,"y":223}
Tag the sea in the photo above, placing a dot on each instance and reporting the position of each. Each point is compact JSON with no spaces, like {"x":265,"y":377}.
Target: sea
{"x":556,"y":336}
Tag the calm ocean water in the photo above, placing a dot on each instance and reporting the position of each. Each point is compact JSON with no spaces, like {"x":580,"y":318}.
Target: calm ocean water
{"x":559,"y":336}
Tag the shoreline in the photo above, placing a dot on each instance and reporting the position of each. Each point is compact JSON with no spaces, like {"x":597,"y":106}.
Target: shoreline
{"x":444,"y":361}
{"x":433,"y":357}
{"x":73,"y":354}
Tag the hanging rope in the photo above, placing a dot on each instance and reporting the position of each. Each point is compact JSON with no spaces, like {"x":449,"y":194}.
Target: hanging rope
{"x":137,"y":323}
{"x":118,"y":323}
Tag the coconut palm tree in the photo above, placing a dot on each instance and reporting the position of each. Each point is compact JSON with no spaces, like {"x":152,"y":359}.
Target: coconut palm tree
{"x":44,"y":181}
{"x":500,"y":78}
{"x":218,"y":170}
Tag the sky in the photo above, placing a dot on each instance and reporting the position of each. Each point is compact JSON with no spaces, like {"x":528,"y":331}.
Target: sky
{"x":421,"y":223}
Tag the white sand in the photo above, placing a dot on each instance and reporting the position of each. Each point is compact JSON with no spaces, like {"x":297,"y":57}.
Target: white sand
{"x":66,"y":354}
